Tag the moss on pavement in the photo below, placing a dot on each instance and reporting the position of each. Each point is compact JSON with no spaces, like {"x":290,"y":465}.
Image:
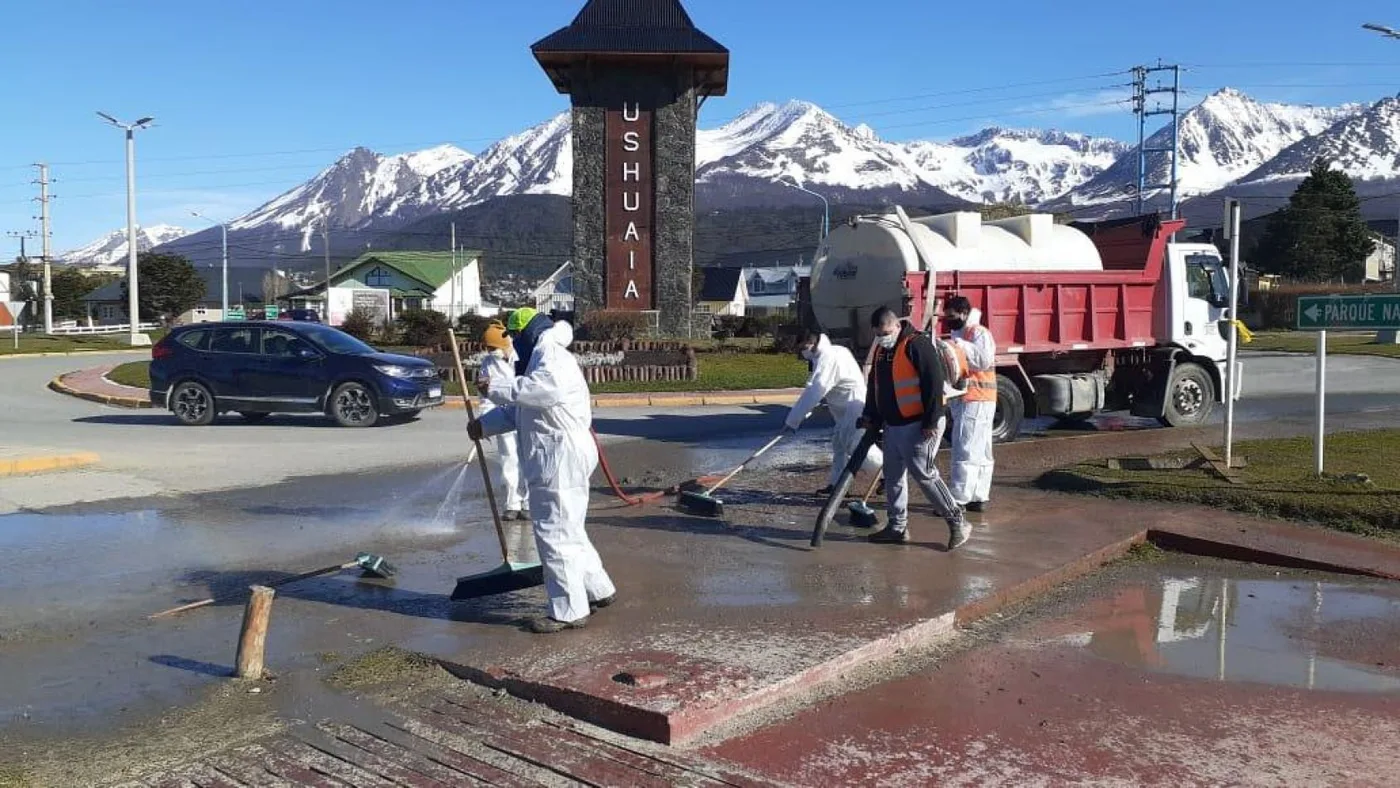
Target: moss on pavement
{"x":1360,"y":492}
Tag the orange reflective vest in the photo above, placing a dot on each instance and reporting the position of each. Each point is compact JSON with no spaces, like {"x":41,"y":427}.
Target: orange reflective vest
{"x":907,"y":393}
{"x":981,"y":383}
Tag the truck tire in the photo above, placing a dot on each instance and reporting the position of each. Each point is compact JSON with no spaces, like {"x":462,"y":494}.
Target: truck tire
{"x":1011,"y":409}
{"x":1189,"y":398}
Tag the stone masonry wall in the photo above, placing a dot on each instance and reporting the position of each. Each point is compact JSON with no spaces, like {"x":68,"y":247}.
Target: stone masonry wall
{"x":668,"y":93}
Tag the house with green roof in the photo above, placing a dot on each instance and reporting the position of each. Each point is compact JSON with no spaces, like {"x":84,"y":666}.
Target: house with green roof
{"x":441,"y":281}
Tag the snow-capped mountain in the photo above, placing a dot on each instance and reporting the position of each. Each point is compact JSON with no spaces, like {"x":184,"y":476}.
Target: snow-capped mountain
{"x":1222,"y":139}
{"x":1025,"y":165}
{"x":1227,"y":139}
{"x":111,"y":248}
{"x":1365,"y":144}
{"x":360,"y":187}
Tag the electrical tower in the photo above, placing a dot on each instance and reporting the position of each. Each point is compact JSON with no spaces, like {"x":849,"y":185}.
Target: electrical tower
{"x":45,"y":235}
{"x":1141,"y":93}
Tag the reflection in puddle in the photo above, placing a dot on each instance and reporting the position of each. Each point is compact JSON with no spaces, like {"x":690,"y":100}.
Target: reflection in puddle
{"x":1283,"y":632}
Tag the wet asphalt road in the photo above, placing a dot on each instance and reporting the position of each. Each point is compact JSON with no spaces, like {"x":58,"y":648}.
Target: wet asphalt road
{"x":174,"y":513}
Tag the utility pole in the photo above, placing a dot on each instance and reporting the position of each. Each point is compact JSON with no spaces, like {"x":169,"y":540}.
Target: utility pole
{"x":23,"y":259}
{"x":45,"y":234}
{"x":223,"y":231}
{"x":326,"y":248}
{"x":452,"y":310}
{"x":1232,"y":229}
{"x":1141,"y":92}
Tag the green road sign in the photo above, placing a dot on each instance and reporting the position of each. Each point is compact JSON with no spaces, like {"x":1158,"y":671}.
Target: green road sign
{"x":270,"y":312}
{"x":1354,"y":312}
{"x":234,"y":313}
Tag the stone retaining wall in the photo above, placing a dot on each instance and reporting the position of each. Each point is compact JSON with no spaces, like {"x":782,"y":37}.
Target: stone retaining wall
{"x":639,"y":361}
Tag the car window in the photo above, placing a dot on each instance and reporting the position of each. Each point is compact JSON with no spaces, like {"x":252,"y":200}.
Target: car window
{"x":194,"y":339}
{"x":279,"y":343}
{"x":234,"y":340}
{"x":337,"y":341}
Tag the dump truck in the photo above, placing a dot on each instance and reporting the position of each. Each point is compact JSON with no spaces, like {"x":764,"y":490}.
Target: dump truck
{"x":1088,"y":317}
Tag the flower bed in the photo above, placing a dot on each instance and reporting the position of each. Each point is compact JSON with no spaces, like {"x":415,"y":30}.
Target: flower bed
{"x":602,"y":362}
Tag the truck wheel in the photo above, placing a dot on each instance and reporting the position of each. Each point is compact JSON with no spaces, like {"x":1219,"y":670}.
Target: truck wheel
{"x":1190,"y":397}
{"x":1011,"y":408}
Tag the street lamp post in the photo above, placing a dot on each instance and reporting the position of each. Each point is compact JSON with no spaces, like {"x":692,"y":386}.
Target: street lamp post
{"x":826,"y":207}
{"x":135,"y":338}
{"x":223,"y":230}
{"x":1390,"y":337}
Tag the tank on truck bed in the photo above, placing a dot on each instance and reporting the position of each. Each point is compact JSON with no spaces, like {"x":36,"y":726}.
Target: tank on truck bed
{"x":1087,"y":317}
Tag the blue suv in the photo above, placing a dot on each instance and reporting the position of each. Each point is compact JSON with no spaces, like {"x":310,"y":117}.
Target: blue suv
{"x":259,"y":368}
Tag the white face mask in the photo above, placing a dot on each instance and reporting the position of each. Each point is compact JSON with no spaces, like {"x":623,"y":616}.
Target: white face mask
{"x":887,"y":341}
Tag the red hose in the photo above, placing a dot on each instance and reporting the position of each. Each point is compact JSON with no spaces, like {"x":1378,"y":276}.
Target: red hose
{"x":630,"y":500}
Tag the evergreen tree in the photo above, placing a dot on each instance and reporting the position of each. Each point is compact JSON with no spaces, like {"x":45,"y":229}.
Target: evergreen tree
{"x":1320,"y":235}
{"x":168,"y":286}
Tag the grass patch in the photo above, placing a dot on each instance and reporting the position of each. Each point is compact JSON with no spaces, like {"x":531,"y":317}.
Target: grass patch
{"x":381,"y":666}
{"x":718,"y":372}
{"x":94,"y":343}
{"x":134,"y":373}
{"x":1360,"y":494}
{"x":13,"y":777}
{"x":1306,"y":342}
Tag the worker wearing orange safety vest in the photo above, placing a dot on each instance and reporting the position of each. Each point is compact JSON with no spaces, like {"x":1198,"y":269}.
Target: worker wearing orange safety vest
{"x":906,"y":394}
{"x":972,"y":413}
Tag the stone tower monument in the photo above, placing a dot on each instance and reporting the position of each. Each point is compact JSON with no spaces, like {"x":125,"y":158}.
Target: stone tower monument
{"x":637,"y":72}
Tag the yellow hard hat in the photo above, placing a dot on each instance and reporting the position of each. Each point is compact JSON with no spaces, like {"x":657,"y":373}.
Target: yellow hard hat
{"x":495,"y":336}
{"x":520,"y":318}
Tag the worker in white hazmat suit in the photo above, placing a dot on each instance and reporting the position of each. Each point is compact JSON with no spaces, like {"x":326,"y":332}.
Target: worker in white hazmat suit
{"x":550,"y":406}
{"x":499,"y":364}
{"x":972,"y":413}
{"x":838,"y":378}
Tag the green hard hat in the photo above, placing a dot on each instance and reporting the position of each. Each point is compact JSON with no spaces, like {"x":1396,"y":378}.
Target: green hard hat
{"x":520,"y":318}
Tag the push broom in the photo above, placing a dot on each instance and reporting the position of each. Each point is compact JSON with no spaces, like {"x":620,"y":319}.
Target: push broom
{"x":704,"y":503}
{"x":862,"y":516}
{"x":509,"y":576}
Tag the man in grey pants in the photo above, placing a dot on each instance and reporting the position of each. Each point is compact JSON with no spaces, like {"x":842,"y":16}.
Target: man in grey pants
{"x":905,"y":397}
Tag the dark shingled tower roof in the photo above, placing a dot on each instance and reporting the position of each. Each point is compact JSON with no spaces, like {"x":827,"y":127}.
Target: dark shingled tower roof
{"x":633,"y":31}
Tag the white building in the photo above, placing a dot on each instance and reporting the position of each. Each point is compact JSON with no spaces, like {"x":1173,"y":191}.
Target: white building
{"x":1380,"y":265}
{"x":441,"y":281}
{"x":556,"y":292}
{"x":773,"y":289}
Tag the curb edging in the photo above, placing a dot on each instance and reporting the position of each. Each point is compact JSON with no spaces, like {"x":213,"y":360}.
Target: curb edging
{"x":61,"y":387}
{"x":45,"y":463}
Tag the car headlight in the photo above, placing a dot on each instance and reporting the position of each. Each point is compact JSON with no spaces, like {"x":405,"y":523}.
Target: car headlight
{"x":394,"y":370}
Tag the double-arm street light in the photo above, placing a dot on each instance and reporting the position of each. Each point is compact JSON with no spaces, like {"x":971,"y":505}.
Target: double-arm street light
{"x":135,"y":337}
{"x":223,"y":230}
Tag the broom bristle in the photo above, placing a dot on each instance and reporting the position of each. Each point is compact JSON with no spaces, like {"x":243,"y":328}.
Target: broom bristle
{"x":700,"y":503}
{"x":501,"y":580}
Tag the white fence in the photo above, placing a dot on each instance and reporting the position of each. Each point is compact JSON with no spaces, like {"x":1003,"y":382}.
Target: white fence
{"x":120,"y":328}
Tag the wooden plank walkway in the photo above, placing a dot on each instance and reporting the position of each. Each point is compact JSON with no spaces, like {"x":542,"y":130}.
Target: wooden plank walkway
{"x":450,"y":740}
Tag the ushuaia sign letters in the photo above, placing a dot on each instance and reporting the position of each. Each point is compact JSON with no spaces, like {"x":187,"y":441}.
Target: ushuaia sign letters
{"x":629,"y":203}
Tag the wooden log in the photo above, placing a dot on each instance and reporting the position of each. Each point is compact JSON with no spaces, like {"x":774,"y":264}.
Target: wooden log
{"x":252,"y":640}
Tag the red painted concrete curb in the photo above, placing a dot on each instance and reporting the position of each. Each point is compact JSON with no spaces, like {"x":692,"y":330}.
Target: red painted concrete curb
{"x":58,"y":385}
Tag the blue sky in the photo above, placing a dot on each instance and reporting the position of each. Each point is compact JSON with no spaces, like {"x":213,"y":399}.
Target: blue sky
{"x":254,"y":97}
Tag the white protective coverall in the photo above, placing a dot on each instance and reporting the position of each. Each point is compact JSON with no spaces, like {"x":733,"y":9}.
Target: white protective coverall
{"x":497,"y":367}
{"x":971,"y":479}
{"x":837,"y":377}
{"x":551,"y":408}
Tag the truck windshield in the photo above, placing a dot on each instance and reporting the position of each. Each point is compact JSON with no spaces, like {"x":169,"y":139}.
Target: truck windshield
{"x":1206,"y":279}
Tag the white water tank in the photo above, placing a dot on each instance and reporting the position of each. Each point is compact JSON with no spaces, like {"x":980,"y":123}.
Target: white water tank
{"x":861,"y":266}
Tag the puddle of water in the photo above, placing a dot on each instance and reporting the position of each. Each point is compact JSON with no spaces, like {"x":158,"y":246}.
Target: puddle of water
{"x":1284,"y":632}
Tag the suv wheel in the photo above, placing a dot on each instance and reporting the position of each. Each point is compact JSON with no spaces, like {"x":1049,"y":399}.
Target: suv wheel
{"x":192,"y":404}
{"x":353,"y":405}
